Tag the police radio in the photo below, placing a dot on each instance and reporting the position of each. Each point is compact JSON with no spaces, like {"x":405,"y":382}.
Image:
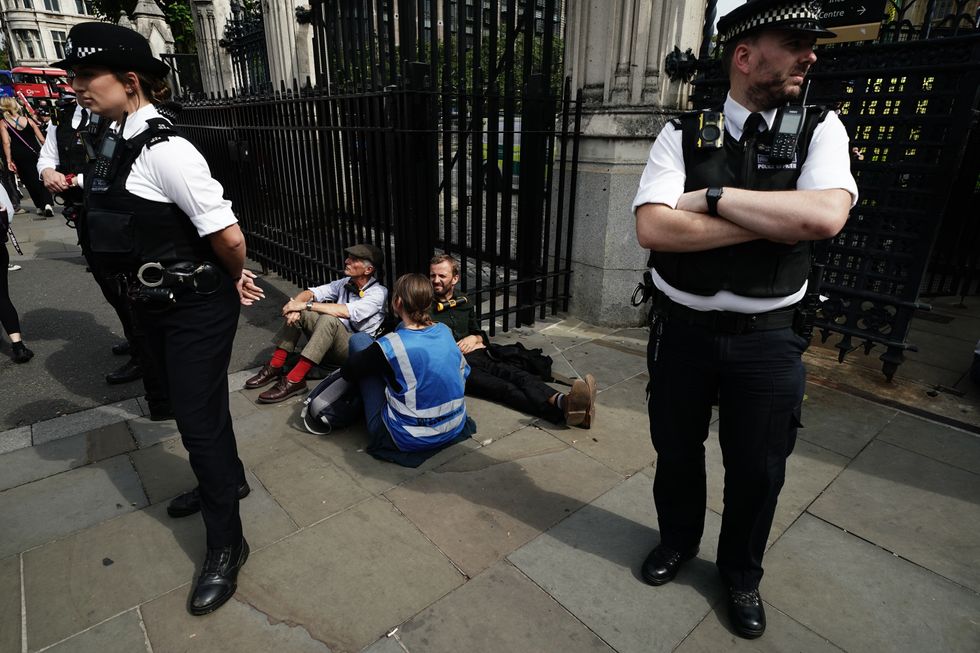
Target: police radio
{"x":450,"y":303}
{"x":711,"y":130}
{"x":785,"y":133}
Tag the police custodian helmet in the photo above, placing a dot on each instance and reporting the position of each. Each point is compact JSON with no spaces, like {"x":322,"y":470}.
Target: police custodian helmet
{"x":112,"y":46}
{"x":794,"y":15}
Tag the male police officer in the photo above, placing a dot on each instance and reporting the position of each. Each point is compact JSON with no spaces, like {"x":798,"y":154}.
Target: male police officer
{"x":729,"y":223}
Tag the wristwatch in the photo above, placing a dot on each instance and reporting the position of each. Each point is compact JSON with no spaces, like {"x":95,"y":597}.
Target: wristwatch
{"x":712,"y":196}
{"x":309,"y":305}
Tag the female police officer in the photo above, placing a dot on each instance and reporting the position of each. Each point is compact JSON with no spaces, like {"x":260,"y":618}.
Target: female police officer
{"x":157,"y":220}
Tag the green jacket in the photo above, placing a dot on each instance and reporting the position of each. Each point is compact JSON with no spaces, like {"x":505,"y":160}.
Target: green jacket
{"x":461,"y":320}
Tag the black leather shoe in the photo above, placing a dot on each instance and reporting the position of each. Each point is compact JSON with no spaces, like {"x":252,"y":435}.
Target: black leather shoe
{"x":662,"y":564}
{"x":189,"y":503}
{"x":131,"y":371}
{"x":122,"y":348}
{"x":747,"y":613}
{"x":219,"y":578}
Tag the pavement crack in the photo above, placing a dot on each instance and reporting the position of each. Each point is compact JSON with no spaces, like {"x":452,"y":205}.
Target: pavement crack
{"x":275,"y":621}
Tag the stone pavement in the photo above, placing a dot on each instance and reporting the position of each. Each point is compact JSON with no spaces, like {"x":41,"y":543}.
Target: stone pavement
{"x":528,"y":537}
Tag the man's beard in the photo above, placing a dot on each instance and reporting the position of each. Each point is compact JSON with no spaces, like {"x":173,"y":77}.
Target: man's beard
{"x":775,"y":92}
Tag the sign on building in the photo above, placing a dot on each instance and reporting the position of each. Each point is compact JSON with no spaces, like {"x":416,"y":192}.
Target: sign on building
{"x":852,"y":20}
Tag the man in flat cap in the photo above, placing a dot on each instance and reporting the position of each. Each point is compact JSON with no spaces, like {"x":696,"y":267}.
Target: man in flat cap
{"x":327,"y":314}
{"x":729,"y":208}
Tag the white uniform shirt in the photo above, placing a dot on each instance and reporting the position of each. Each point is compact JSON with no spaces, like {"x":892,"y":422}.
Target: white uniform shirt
{"x":366,"y":313}
{"x":49,"y":156}
{"x":827,"y":166}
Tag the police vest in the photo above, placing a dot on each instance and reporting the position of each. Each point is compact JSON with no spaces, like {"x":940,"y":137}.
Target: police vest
{"x":71,"y":152}
{"x":758,"y":268}
{"x":125,"y":230}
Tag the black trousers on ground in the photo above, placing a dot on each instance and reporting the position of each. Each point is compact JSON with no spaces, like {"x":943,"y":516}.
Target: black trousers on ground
{"x":758,"y":380}
{"x":192,"y":342}
{"x":511,"y":386}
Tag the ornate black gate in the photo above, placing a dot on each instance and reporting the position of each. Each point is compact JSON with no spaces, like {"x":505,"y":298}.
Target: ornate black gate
{"x":910,"y":103}
{"x":245,"y":41}
{"x":433,"y":125}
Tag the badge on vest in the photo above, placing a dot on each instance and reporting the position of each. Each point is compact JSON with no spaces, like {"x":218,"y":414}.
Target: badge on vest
{"x":763,"y":162}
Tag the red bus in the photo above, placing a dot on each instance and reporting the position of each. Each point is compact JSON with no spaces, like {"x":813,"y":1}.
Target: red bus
{"x":40,"y":83}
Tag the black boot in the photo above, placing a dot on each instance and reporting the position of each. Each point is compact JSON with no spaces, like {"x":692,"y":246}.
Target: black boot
{"x":190,"y":502}
{"x":131,"y":371}
{"x":20,"y":353}
{"x":747,"y":613}
{"x":122,"y":349}
{"x":219,"y":578}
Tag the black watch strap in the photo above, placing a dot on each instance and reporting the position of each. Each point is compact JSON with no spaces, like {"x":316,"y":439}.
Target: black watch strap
{"x":712,"y":195}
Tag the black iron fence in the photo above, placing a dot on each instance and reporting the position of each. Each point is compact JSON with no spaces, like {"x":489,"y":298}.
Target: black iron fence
{"x":244,"y":39}
{"x":910,"y":102}
{"x":422,"y":134}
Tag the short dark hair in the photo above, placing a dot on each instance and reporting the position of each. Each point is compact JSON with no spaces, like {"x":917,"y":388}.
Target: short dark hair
{"x":154,"y":88}
{"x":728,"y":50}
{"x":446,"y":258}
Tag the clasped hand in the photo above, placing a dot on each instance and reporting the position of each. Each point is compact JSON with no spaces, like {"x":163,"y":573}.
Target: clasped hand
{"x":248,"y":291}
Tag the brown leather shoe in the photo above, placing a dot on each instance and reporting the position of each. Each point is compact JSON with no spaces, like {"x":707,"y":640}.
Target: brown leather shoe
{"x":266,"y":375}
{"x":282,"y":390}
{"x":580,"y":402}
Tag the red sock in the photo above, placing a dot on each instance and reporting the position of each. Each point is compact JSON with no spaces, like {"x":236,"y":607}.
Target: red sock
{"x":278,"y":358}
{"x":298,"y":373}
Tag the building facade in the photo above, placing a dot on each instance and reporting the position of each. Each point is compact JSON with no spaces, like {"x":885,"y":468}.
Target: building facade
{"x":36,"y":30}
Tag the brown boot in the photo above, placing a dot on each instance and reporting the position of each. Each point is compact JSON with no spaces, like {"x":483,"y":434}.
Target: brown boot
{"x":282,"y":390}
{"x":266,"y":375}
{"x":580,"y":402}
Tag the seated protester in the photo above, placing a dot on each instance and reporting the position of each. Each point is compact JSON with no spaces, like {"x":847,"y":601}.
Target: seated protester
{"x":327,"y":314}
{"x":411,"y":380}
{"x":497,"y":380}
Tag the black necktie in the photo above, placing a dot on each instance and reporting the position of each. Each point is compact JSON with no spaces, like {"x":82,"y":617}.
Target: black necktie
{"x":84,"y":120}
{"x":754,"y":124}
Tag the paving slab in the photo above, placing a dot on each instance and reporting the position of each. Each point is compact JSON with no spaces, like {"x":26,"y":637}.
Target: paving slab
{"x":84,"y":421}
{"x":495,"y":421}
{"x":839,"y":421}
{"x":14,"y":439}
{"x":148,"y":433}
{"x":937,"y":441}
{"x":309,"y":486}
{"x":37,"y":512}
{"x":121,"y":634}
{"x":782,"y":634}
{"x":809,"y":471}
{"x":499,"y":610}
{"x":240,"y":406}
{"x":608,"y":363}
{"x":10,"y":611}
{"x":635,"y":339}
{"x":89,"y":576}
{"x":590,"y":563}
{"x":236,"y":627}
{"x":913,"y":506}
{"x":863,"y":598}
{"x":164,"y":469}
{"x":484,"y":505}
{"x":620,"y":435}
{"x":50,"y":458}
{"x":348,"y":579}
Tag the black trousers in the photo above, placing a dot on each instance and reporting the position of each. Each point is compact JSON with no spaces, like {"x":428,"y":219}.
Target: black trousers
{"x":8,"y":314}
{"x":191,"y":342}
{"x":511,"y":386}
{"x":758,"y":380}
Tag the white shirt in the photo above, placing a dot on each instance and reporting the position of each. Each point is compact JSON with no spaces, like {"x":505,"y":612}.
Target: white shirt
{"x":49,"y":157}
{"x":366,"y":313}
{"x":827,"y":165}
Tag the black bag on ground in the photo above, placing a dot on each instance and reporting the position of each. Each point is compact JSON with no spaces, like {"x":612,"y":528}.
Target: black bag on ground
{"x":333,"y":404}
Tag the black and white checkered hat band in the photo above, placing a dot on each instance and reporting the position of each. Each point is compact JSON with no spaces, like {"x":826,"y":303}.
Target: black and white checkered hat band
{"x":782,"y":14}
{"x":83,"y":51}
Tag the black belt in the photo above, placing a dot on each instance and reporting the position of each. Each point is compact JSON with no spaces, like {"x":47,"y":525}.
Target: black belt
{"x":726,"y":322}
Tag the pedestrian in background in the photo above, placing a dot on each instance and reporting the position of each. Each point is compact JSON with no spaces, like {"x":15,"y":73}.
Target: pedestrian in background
{"x":8,"y":314}
{"x":22,"y":140}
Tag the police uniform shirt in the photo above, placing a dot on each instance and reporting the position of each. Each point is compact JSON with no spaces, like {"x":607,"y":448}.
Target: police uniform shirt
{"x":366,"y":313}
{"x":49,"y":157}
{"x":827,"y":166}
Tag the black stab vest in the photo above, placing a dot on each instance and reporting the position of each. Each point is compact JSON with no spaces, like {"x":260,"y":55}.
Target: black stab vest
{"x":125,"y":230}
{"x":71,"y":152}
{"x":758,"y":268}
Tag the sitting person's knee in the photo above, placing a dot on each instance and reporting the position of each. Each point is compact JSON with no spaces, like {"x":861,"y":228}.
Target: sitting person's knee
{"x":359,"y":342}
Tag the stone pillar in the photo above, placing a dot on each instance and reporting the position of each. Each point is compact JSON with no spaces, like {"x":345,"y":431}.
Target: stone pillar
{"x":210,"y":17}
{"x":149,"y":20}
{"x":615,"y":53}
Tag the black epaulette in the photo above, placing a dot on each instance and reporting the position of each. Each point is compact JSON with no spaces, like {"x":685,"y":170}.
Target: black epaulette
{"x":159,"y":130}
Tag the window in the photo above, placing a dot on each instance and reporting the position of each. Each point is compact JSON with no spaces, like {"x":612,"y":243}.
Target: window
{"x":83,"y":7}
{"x":28,"y":4}
{"x":58,"y":38}
{"x":52,"y":5}
{"x":28,"y":43}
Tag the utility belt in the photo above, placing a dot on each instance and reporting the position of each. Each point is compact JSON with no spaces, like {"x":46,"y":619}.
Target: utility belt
{"x":157,"y":287}
{"x":724,"y":322}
